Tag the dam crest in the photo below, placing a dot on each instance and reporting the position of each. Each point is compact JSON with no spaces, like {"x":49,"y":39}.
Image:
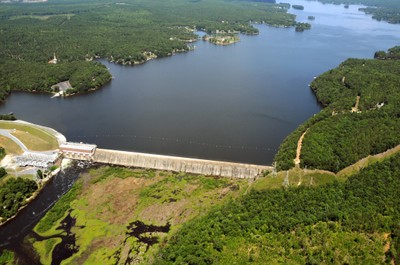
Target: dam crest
{"x":162,"y":162}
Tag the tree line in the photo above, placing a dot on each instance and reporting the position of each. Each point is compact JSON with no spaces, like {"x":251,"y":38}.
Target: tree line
{"x":333,"y":224}
{"x":13,"y":194}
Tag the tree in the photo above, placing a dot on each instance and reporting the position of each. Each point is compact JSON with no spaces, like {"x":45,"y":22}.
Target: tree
{"x":3,"y":172}
{"x":39,"y":173}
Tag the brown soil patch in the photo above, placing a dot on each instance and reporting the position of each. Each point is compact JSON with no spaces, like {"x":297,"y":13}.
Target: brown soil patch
{"x":355,"y":108}
{"x":387,"y":245}
{"x":189,"y":188}
{"x":114,"y":200}
{"x":10,"y":146}
{"x":109,"y":242}
{"x":173,"y":212}
{"x":298,"y":150}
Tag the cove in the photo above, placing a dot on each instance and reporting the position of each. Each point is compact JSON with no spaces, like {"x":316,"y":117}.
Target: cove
{"x":235,"y":103}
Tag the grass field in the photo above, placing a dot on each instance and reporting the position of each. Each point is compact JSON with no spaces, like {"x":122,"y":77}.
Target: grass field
{"x":10,"y":146}
{"x":294,"y":178}
{"x":34,"y":138}
{"x":367,"y":161}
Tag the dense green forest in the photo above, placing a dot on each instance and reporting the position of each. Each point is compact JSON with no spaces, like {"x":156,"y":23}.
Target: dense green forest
{"x":351,"y":222}
{"x":40,"y":77}
{"x":387,"y":10}
{"x":361,"y":117}
{"x":13,"y":194}
{"x":128,"y":32}
{"x":8,"y":117}
{"x":393,"y":53}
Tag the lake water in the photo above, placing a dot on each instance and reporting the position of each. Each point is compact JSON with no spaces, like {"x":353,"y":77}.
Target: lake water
{"x":234,"y":103}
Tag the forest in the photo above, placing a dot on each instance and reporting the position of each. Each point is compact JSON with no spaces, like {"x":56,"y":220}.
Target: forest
{"x":13,"y":194}
{"x":39,"y":77}
{"x":351,"y":222}
{"x":127,"y":33}
{"x":360,"y":118}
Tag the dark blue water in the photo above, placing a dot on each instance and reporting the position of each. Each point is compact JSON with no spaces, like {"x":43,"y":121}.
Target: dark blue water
{"x":234,"y":103}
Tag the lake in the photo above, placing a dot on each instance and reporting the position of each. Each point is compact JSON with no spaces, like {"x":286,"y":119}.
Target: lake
{"x":233,"y":103}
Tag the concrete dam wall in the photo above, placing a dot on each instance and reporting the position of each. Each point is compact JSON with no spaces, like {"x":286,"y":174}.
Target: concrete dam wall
{"x":178,"y":164}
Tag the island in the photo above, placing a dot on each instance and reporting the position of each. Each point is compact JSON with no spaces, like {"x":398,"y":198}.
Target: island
{"x":298,"y":7}
{"x":222,"y":39}
{"x":300,"y":27}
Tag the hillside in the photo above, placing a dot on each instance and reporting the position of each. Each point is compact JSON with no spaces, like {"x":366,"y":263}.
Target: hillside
{"x":360,"y":118}
{"x":351,"y":222}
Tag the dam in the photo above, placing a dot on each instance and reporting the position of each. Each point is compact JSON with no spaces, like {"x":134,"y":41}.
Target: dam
{"x":90,"y":152}
{"x":80,"y":151}
{"x":179,"y":164}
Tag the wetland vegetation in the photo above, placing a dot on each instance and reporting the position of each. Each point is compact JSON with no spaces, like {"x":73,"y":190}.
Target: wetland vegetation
{"x":123,"y":215}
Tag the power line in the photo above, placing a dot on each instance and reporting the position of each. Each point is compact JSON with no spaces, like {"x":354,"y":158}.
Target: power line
{"x":171,"y":140}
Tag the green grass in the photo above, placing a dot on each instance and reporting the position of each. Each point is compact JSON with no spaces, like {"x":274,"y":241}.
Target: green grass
{"x":365,"y":162}
{"x":45,"y":248}
{"x":33,"y":137}
{"x":297,"y":177}
{"x":58,"y":210}
{"x":43,"y":17}
{"x":120,"y":172}
{"x":7,"y":257}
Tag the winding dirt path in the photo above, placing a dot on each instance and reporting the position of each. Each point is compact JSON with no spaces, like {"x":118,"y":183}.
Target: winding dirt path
{"x":298,"y":150}
{"x":355,"y":108}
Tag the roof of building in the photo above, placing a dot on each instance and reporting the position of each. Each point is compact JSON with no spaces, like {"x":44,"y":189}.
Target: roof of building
{"x":78,"y":146}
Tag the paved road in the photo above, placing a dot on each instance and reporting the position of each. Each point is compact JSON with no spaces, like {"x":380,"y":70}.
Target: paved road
{"x":7,"y":133}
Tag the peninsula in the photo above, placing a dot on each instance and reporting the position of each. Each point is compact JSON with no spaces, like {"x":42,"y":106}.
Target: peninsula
{"x":60,"y":42}
{"x":222,"y":39}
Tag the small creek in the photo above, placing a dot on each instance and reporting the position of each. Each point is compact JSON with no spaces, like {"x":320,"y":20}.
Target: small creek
{"x":144,"y":234}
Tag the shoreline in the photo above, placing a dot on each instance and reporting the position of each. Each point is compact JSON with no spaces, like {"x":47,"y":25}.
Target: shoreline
{"x":33,"y":197}
{"x":42,"y":183}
